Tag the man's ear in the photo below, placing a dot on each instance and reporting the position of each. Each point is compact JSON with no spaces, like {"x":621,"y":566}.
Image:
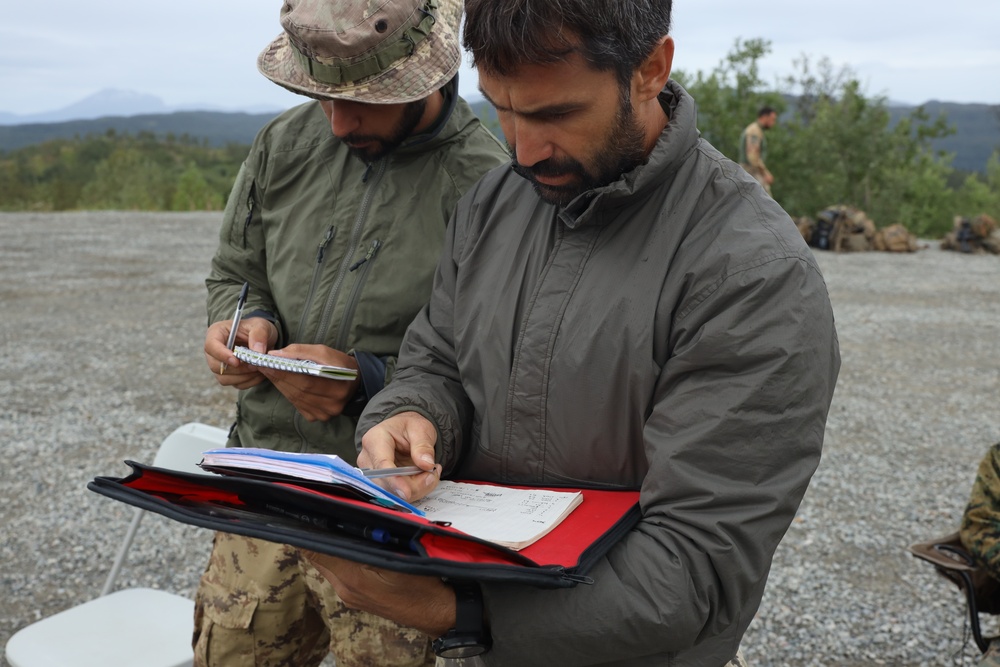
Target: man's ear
{"x":651,"y":76}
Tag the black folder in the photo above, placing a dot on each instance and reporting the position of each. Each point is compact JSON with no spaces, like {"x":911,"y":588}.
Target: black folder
{"x":319,"y":517}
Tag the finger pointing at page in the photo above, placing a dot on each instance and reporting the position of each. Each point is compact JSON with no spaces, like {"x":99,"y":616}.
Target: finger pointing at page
{"x":404,"y":439}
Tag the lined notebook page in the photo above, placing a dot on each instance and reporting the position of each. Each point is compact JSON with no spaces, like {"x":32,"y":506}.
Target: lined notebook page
{"x":513,"y":518}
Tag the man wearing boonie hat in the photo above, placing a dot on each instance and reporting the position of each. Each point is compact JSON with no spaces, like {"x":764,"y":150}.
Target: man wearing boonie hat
{"x":336,"y":221}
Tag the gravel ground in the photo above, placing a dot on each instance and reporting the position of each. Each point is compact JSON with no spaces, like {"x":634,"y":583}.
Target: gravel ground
{"x":101,"y":338}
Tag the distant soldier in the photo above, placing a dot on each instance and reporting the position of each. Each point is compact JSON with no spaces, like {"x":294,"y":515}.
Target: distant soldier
{"x":753,"y":147}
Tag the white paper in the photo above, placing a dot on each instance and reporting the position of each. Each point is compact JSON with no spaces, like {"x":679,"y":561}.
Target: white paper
{"x":511,"y":517}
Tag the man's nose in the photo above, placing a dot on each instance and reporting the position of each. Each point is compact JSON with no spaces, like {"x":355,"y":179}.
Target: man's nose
{"x":345,"y":117}
{"x":531,"y":142}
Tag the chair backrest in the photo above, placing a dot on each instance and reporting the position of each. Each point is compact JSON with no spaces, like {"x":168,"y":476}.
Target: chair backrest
{"x":181,"y":450}
{"x":951,"y":560}
{"x":130,"y":626}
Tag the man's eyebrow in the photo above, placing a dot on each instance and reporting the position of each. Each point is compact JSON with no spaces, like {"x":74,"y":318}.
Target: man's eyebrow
{"x":541,"y":112}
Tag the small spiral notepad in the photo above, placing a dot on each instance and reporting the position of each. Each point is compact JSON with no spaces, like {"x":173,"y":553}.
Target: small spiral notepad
{"x":294,"y":365}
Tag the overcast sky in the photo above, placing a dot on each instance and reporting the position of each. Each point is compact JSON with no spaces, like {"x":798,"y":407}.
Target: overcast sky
{"x":203,"y":52}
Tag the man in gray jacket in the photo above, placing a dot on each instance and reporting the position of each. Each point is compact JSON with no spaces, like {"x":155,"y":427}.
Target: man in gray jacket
{"x":336,"y":221}
{"x":624,"y":309}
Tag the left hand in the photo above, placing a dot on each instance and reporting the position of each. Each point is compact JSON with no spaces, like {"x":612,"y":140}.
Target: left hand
{"x":421,"y":602}
{"x":316,"y":398}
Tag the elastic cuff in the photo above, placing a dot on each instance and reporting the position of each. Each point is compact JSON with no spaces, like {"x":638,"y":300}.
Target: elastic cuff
{"x":270,"y":317}
{"x":371,"y":370}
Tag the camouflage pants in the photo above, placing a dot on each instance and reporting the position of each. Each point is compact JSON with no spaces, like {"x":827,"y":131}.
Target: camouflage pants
{"x":260,"y":604}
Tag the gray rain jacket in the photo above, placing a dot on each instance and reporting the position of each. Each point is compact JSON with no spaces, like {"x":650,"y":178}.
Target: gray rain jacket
{"x":670,"y":332}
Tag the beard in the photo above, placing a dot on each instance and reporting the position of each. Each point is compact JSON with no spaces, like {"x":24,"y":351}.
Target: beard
{"x":380,"y":146}
{"x":621,"y":151}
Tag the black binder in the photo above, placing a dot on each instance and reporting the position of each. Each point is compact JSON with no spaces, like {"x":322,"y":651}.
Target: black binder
{"x":322,"y":518}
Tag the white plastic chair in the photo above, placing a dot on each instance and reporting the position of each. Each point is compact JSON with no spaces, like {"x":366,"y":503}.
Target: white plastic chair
{"x":131,"y":627}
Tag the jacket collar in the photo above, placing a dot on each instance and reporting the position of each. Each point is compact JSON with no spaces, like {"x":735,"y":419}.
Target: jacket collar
{"x":444,"y":128}
{"x":676,"y":142}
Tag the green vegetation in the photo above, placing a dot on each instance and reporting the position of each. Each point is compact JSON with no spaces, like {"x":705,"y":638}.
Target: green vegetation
{"x":833,"y":145}
{"x":124,"y":172}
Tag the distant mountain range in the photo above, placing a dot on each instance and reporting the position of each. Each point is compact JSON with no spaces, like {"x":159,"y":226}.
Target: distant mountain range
{"x":977,"y":131}
{"x":217,"y":128}
{"x":121,"y":103}
{"x":977,"y":126}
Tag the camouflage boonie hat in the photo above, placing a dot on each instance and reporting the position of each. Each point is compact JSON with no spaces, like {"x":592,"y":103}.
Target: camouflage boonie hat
{"x":372,"y":51}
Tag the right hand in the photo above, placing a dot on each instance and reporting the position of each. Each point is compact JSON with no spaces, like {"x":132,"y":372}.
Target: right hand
{"x":316,"y":399}
{"x":404,"y":439}
{"x":256,"y":333}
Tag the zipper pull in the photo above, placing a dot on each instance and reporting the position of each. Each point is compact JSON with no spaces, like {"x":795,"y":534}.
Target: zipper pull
{"x":371,"y":253}
{"x":323,"y":244}
{"x":368,"y":172}
{"x":246,"y":223}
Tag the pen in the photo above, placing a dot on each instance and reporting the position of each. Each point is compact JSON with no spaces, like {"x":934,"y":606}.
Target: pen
{"x":237,"y":316}
{"x":375,"y":473}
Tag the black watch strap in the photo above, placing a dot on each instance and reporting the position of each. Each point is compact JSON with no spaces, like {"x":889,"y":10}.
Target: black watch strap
{"x":469,"y":637}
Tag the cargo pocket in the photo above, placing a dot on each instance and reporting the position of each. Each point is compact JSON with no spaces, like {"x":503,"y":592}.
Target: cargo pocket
{"x":223,"y":632}
{"x":257,"y":627}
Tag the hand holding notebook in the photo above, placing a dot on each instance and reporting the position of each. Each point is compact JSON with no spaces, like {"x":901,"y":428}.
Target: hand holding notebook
{"x":306,"y":366}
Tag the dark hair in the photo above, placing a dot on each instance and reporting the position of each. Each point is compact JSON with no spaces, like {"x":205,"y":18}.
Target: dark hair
{"x":618,"y":35}
{"x":766,"y":111}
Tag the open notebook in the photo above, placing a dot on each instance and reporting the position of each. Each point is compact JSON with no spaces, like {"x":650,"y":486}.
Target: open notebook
{"x":508,"y":516}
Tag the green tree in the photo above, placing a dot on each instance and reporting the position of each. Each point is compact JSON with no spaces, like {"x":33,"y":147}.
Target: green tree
{"x":730,"y":96}
{"x":833,"y":144}
{"x":838,"y":147}
{"x":116,"y":171}
{"x":981,"y":194}
{"x":127,"y":180}
{"x":193,"y":192}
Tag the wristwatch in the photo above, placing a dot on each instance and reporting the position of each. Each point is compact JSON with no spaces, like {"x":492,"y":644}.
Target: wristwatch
{"x":468,"y":638}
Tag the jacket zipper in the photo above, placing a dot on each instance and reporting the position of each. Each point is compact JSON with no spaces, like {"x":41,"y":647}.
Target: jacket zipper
{"x":600,"y":547}
{"x":345,"y":264}
{"x":359,"y":223}
{"x":320,"y":254}
{"x":246,"y":222}
{"x":365,"y":264}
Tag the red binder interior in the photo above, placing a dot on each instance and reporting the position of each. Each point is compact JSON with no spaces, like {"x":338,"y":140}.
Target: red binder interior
{"x":599,"y":512}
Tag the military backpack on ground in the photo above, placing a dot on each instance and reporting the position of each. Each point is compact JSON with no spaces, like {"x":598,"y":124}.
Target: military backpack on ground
{"x":973,"y":235}
{"x":848,"y":229}
{"x":895,"y":238}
